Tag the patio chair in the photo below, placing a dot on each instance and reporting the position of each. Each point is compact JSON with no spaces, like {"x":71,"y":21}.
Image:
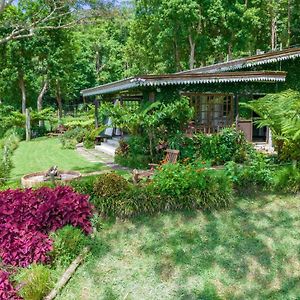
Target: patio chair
{"x":171,"y":158}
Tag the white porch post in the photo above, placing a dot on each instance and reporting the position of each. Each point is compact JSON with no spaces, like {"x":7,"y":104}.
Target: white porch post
{"x":270,"y":140}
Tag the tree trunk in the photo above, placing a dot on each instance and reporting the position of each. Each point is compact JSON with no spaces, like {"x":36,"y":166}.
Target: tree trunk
{"x":229,"y":53}
{"x":177,"y":56}
{"x":23,"y":91}
{"x":192,"y":52}
{"x":273,"y":27}
{"x":40,"y":100}
{"x":59,"y":99}
{"x":289,"y":24}
{"x":96,"y":113}
{"x":28,"y":127}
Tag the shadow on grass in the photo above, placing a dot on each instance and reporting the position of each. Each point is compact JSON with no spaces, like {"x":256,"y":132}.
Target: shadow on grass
{"x":89,"y":169}
{"x":236,"y":242}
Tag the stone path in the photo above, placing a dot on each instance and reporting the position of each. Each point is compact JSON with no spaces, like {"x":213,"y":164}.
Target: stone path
{"x":96,"y":156}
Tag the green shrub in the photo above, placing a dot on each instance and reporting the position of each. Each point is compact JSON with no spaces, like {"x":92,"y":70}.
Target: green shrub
{"x":84,"y":185}
{"x":138,"y":145}
{"x":107,"y":188}
{"x":216,"y":193}
{"x":256,"y":173}
{"x":133,"y":153}
{"x":228,"y":145}
{"x":175,"y":179}
{"x":36,"y":282}
{"x":68,"y":242}
{"x":18,"y":131}
{"x":287,"y":179}
{"x":138,"y":161}
{"x":184,"y":144}
{"x":205,"y":188}
{"x":72,"y":137}
{"x":110,"y":185}
{"x":8,"y":145}
{"x":38,"y":131}
{"x":174,"y":187}
{"x":81,"y":121}
{"x":9,"y":118}
{"x":68,"y":143}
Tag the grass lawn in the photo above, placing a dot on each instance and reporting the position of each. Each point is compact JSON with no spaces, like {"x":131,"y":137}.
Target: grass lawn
{"x":251,"y":251}
{"x":40,"y":154}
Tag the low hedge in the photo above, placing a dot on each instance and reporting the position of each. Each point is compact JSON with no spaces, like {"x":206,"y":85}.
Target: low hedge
{"x":215,"y":191}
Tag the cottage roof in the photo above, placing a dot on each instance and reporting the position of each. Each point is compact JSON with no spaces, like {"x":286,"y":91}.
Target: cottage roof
{"x":185,"y":79}
{"x":247,"y":62}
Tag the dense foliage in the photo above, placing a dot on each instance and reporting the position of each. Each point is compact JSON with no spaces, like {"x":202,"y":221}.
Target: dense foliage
{"x":51,"y":65}
{"x":171,"y":35}
{"x":287,"y":180}
{"x":110,"y":185}
{"x":26,"y":217}
{"x":255,"y":174}
{"x":8,"y":145}
{"x":281,"y":113}
{"x":68,"y":242}
{"x":155,"y":121}
{"x":227,"y":145}
{"x":174,"y":187}
{"x":7,"y":291}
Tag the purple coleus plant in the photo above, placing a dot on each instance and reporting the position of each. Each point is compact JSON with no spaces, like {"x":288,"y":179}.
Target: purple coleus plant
{"x":7,"y":291}
{"x":27,"y":217}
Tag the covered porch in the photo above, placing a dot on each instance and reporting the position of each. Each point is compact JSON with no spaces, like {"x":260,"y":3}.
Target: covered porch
{"x":214,"y":109}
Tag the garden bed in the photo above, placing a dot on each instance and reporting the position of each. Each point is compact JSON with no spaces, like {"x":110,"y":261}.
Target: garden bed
{"x":37,"y":235}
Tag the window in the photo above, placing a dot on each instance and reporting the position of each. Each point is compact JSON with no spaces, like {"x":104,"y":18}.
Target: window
{"x":212,"y":111}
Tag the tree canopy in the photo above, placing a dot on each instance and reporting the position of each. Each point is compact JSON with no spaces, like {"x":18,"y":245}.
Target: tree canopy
{"x":50,"y":50}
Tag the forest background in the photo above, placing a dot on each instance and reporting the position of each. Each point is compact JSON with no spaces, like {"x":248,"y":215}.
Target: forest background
{"x":50,"y":50}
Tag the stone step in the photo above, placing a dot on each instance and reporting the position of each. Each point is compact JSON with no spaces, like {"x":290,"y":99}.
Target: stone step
{"x":106,"y":148}
{"x":113,"y":142}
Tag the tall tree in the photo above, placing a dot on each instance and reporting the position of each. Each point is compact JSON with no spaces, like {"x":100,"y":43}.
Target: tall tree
{"x":39,"y":15}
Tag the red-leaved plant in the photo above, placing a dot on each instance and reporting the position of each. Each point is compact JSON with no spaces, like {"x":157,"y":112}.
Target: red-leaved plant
{"x":27,"y":216}
{"x":7,"y":291}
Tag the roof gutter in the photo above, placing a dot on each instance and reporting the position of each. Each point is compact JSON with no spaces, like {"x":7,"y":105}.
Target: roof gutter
{"x":184,"y":79}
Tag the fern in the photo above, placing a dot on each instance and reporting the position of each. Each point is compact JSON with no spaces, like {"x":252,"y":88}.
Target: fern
{"x":281,"y":113}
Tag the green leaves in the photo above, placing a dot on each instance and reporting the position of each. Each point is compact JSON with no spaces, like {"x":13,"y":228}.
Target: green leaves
{"x":280,"y":112}
{"x":150,"y":115}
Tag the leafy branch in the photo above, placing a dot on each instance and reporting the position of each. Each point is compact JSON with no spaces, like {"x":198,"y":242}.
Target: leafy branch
{"x":52,"y":15}
{"x":281,"y":113}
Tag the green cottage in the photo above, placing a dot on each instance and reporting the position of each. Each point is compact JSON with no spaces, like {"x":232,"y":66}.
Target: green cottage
{"x":215,"y":90}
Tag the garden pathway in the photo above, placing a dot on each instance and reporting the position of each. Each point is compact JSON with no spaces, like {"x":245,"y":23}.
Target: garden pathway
{"x":95,"y":156}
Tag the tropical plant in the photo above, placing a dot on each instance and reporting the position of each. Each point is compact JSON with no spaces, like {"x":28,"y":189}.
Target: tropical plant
{"x":256,"y":173}
{"x":174,"y":187}
{"x":229,"y":144}
{"x":157,"y":120}
{"x":281,"y":113}
{"x":287,"y":179}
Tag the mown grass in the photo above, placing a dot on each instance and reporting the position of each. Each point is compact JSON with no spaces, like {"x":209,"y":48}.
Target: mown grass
{"x":251,"y":251}
{"x":42,"y":153}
